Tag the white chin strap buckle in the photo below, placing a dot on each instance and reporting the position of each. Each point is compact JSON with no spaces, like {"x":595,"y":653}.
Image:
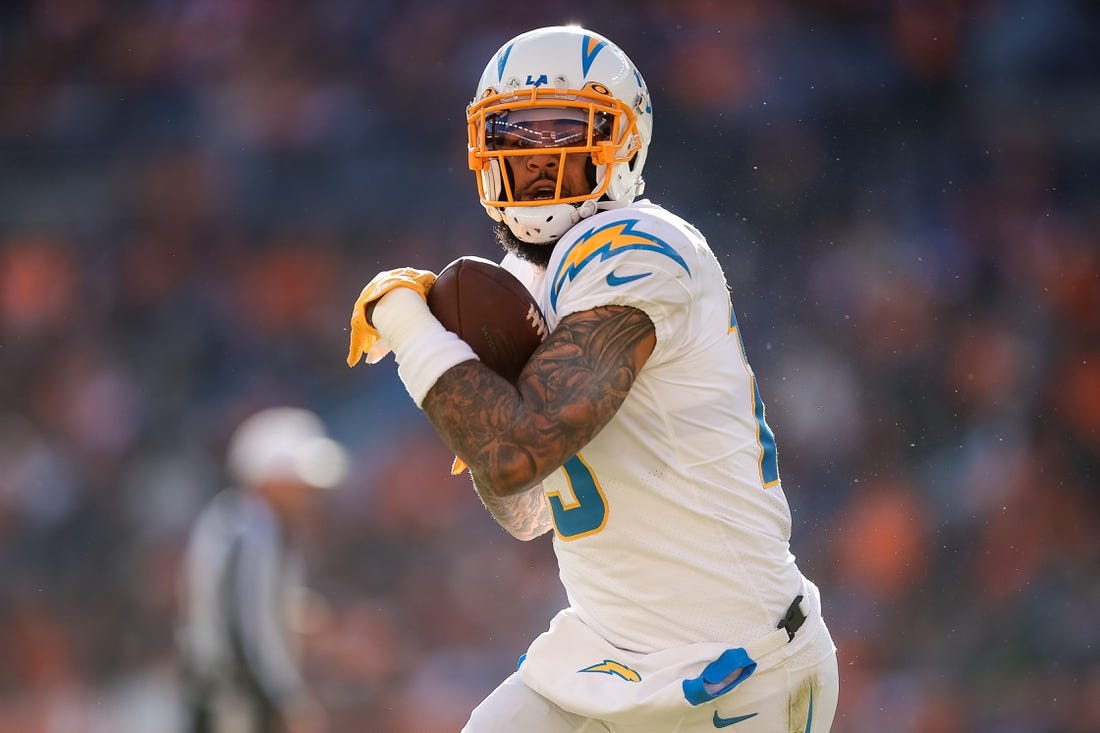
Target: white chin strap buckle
{"x":542,"y":224}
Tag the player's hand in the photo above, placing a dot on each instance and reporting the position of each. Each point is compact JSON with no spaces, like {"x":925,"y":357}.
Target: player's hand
{"x":364,"y":336}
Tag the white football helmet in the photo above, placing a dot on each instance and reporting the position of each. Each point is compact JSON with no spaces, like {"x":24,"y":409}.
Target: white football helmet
{"x":570,"y":73}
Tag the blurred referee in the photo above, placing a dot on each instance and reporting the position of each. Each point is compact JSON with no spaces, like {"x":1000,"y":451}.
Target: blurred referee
{"x":242,"y":580}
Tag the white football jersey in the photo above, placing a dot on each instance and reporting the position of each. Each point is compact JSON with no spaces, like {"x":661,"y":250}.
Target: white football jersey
{"x":671,"y":526}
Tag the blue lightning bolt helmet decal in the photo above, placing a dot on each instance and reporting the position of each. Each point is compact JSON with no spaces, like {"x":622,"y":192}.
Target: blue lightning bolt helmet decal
{"x":502,"y":60}
{"x":610,"y":666}
{"x":590,"y":48}
{"x":604,"y":243}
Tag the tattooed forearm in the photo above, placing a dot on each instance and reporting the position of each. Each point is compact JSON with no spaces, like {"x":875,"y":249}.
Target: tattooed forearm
{"x":513,"y":436}
{"x":525,"y":515}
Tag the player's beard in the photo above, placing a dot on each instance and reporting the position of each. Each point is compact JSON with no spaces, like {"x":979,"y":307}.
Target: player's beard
{"x":536,"y":254}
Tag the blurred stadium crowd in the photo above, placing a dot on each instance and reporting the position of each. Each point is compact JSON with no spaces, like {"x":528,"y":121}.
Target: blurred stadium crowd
{"x":905,"y":196}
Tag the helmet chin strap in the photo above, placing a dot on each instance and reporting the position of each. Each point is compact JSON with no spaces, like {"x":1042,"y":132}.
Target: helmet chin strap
{"x":544,"y":224}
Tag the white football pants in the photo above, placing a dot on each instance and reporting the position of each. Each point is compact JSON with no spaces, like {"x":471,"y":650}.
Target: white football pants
{"x":799,"y":696}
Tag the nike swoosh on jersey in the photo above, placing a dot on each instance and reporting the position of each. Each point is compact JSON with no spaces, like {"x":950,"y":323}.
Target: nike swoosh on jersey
{"x":720,"y":722}
{"x":603,"y":243}
{"x":614,"y":280}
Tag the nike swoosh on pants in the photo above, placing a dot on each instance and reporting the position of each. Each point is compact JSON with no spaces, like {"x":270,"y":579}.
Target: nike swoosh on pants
{"x":720,"y":722}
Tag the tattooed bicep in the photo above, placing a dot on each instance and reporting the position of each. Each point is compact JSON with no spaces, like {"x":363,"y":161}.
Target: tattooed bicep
{"x":514,"y":436}
{"x":591,"y":359}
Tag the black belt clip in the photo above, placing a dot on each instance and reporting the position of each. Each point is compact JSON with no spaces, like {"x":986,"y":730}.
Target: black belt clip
{"x":793,"y":619}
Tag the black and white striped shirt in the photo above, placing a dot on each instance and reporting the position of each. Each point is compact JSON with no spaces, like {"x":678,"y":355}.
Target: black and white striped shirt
{"x":238,"y":584}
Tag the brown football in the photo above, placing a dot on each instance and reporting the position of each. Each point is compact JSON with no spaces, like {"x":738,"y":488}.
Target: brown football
{"x":491,"y":310}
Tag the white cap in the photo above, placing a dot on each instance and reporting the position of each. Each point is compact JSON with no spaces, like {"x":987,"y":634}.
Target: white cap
{"x":286,"y":443}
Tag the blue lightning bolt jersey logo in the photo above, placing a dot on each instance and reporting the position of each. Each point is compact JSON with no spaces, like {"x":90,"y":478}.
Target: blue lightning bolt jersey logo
{"x":610,"y":666}
{"x":604,"y":243}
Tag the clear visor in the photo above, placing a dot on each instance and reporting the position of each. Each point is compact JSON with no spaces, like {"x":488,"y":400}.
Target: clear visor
{"x":545,"y":128}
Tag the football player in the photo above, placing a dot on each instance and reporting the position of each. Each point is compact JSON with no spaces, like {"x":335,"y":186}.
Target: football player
{"x":636,"y":432}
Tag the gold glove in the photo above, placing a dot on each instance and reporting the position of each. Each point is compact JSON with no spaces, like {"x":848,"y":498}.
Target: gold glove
{"x":364,"y":337}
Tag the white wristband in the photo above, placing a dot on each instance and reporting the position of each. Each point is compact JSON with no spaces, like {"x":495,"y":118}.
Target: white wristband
{"x":422,"y":347}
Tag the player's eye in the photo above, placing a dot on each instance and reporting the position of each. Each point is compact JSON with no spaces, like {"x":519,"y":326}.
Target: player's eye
{"x":502,"y":139}
{"x":602,"y":128}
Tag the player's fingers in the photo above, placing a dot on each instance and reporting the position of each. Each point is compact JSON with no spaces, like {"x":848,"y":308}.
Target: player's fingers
{"x":363,"y":338}
{"x":377,"y":352}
